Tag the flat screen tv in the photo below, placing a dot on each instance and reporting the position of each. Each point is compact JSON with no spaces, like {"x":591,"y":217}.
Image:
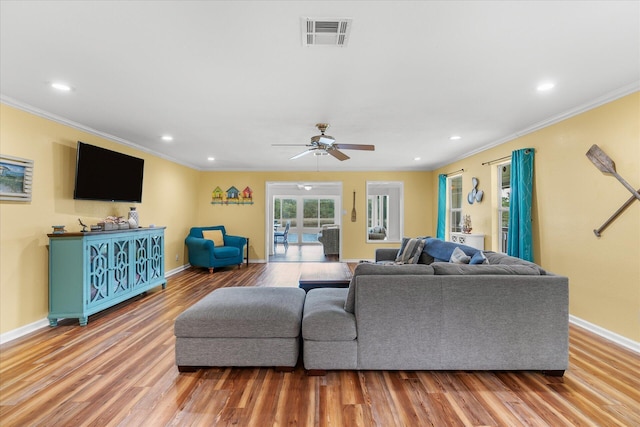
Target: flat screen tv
{"x":107,"y":175}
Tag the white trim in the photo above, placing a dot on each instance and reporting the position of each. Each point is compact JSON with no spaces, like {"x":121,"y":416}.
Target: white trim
{"x":604,"y":99}
{"x":23,"y":330}
{"x":55,"y":118}
{"x":32,"y":327}
{"x":606,"y":334}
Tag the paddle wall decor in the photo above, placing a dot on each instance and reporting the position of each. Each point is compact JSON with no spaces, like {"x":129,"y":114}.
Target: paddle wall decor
{"x":606,"y":165}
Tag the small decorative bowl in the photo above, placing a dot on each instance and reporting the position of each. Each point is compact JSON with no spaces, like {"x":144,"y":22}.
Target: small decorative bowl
{"x":58,"y":229}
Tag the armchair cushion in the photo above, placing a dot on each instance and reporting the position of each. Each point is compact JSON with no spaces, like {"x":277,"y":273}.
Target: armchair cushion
{"x":215,"y":236}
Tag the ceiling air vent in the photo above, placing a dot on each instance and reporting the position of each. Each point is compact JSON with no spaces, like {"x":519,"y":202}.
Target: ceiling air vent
{"x":325,"y":31}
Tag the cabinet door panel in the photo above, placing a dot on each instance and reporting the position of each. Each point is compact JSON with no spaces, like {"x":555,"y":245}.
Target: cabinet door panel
{"x":141,"y":253}
{"x":98,"y":272}
{"x":156,"y":258}
{"x":120,"y":266}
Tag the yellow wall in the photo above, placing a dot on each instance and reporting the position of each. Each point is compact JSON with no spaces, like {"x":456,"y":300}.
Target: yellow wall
{"x":168,"y":199}
{"x":249,"y":220}
{"x":571,"y":199}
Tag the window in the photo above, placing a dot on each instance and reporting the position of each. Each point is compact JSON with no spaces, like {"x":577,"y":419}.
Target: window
{"x":286,"y":210}
{"x":305,"y":222}
{"x":378,"y":211}
{"x":504,"y":190}
{"x":384,"y":211}
{"x":455,"y":204}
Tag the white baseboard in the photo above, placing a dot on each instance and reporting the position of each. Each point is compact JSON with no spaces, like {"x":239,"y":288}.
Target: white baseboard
{"x":27,"y":329}
{"x":606,"y":334}
{"x":23,"y":330}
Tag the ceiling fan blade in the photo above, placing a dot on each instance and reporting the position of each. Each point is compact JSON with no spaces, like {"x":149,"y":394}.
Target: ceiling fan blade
{"x":355,"y":147}
{"x":338,"y":154}
{"x":297,"y":156}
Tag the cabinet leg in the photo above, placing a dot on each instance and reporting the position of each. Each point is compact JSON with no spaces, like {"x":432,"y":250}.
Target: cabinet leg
{"x":53,"y":322}
{"x":210,"y":270}
{"x":83,"y":321}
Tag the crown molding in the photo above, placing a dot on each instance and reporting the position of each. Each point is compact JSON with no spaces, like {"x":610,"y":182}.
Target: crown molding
{"x":70,"y":123}
{"x":604,"y":99}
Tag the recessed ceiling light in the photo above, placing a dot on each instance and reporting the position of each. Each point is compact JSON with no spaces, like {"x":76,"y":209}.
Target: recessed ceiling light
{"x":545,"y":86}
{"x":211,"y":159}
{"x":416,"y":158}
{"x":61,"y":86}
{"x":455,"y":137}
{"x":167,"y":138}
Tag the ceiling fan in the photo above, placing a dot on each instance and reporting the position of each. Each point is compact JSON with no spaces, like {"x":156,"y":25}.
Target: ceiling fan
{"x":325,"y":144}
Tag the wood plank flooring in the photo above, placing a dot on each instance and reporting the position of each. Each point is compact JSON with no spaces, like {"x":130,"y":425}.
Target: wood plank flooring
{"x":119,"y":370}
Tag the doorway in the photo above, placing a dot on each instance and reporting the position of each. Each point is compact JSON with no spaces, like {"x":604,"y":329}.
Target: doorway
{"x":305,"y":207}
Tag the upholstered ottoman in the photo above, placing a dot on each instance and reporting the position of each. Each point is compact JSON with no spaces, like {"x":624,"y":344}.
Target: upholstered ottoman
{"x":241,"y":327}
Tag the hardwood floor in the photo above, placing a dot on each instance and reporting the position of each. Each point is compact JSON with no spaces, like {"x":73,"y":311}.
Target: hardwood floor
{"x":120,"y":370}
{"x":301,"y":253}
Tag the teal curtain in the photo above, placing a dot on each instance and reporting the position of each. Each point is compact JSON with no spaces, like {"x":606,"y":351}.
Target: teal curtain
{"x":520,"y":237}
{"x":442,"y":205}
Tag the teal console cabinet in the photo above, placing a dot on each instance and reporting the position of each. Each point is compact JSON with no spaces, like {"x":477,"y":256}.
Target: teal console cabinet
{"x":92,"y":271}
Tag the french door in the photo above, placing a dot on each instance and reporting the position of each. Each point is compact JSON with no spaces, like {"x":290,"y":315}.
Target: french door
{"x":306,"y":216}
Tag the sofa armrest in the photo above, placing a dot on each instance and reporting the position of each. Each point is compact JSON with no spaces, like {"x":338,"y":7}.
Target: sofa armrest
{"x":386,"y":254}
{"x":198,"y":244}
{"x":236,"y":241}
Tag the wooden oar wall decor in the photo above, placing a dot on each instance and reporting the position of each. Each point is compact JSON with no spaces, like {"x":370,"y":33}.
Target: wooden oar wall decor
{"x":604,"y":163}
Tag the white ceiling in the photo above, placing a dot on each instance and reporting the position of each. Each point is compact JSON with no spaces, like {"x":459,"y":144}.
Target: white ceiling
{"x":230,"y":78}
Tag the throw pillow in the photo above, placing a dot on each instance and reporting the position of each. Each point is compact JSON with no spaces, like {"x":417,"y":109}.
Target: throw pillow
{"x":479,"y":258}
{"x":410,"y":251}
{"x":441,"y":250}
{"x":459,"y":257}
{"x":215,"y":236}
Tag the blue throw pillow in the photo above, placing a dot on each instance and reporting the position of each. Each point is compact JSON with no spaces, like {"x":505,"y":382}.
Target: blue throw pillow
{"x":479,"y":258}
{"x":441,"y":250}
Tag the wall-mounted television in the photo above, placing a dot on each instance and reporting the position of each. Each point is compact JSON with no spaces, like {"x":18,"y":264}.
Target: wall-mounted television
{"x":107,"y":175}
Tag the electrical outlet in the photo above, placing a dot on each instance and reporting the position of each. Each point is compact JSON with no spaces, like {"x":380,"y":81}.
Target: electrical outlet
{"x":177,"y":257}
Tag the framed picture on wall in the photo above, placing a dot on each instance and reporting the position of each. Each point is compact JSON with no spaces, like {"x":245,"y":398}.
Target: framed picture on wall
{"x":16,"y":176}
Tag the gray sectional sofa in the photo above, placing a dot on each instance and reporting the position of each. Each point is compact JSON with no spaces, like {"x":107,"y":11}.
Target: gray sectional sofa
{"x":507,"y":315}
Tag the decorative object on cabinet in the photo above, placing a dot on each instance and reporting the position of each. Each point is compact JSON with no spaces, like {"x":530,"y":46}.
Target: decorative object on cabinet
{"x":90,"y":272}
{"x":466,"y":224}
{"x":134,"y":219}
{"x":16,"y":176}
{"x":58,"y":229}
{"x":475,"y":195}
{"x":84,"y":226}
{"x":606,"y":165}
{"x":473,"y":240}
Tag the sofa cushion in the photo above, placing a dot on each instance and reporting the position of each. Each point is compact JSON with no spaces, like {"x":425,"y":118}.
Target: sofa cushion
{"x":215,"y":236}
{"x":448,"y":269}
{"x":441,"y":250}
{"x":226,"y":252}
{"x":459,"y":257}
{"x":410,"y":251}
{"x":239,"y":312}
{"x":365,"y":269}
{"x":324,"y":317}
{"x":496,"y":258}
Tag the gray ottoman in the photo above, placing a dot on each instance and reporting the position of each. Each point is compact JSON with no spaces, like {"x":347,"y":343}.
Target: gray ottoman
{"x":241,"y":327}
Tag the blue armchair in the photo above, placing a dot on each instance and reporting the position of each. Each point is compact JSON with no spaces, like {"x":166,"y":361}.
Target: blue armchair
{"x":204,"y":253}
